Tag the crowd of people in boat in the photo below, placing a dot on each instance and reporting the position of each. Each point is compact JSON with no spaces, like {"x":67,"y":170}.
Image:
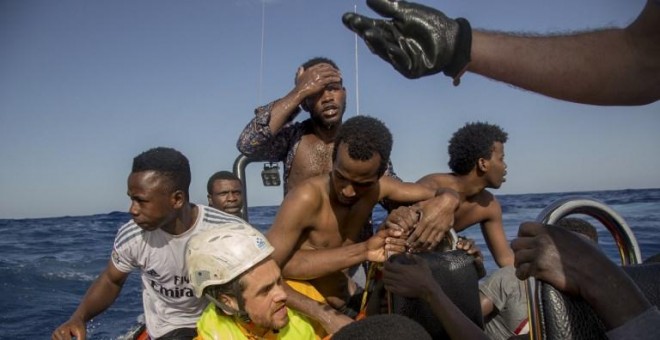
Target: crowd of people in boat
{"x":207,"y":274}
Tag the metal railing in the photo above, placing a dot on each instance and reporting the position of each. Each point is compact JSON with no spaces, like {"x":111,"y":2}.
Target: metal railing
{"x":625,"y":239}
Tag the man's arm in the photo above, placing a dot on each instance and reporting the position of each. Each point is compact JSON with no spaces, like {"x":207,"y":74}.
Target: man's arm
{"x":487,"y":305}
{"x":308,"y":83}
{"x":259,"y":136}
{"x":414,"y":279}
{"x":493,"y":230}
{"x":310,"y":264}
{"x":577,"y":267}
{"x":618,"y":66}
{"x":606,"y":67}
{"x":436,"y":209}
{"x":330,"y":319}
{"x":100,"y":295}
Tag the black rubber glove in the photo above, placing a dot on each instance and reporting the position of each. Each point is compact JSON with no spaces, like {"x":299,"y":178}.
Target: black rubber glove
{"x":418,"y":40}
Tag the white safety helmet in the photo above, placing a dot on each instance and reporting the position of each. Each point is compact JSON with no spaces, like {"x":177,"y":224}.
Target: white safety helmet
{"x":219,"y":255}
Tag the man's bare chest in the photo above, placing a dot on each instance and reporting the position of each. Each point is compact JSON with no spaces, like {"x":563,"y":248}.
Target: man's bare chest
{"x":313,"y":158}
{"x":337,"y":229}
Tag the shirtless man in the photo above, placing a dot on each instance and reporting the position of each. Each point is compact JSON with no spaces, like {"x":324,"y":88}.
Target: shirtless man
{"x":476,"y":158}
{"x":316,"y":231}
{"x":304,"y":147}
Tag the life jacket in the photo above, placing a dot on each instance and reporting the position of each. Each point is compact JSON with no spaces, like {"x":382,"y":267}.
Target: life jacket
{"x":214,"y":325}
{"x":307,"y":289}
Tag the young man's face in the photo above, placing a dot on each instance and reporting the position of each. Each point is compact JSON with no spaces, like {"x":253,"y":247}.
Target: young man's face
{"x":264,"y":296}
{"x":152,"y":201}
{"x":227,"y":195}
{"x":496,"y":166}
{"x":351,"y":178}
{"x":327,"y":107}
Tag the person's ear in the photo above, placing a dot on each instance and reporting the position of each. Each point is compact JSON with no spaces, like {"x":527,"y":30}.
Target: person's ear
{"x":482,"y":163}
{"x":228,"y":301}
{"x":210,"y":200}
{"x":178,"y":199}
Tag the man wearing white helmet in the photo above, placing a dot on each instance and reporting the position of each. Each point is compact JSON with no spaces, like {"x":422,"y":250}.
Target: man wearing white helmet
{"x":232,"y":267}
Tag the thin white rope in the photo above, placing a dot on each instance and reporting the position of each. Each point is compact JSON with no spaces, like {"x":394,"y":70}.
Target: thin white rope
{"x":261,"y":61}
{"x":357,"y":79}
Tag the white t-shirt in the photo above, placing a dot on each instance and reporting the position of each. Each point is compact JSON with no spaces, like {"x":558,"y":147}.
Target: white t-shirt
{"x":167,"y":295}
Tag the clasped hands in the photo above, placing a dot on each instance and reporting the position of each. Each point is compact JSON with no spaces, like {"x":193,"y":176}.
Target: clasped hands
{"x":416,"y":228}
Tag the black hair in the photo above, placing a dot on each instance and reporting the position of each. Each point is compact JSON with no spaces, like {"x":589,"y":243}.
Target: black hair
{"x":383,"y":326}
{"x":226,"y":175}
{"x":315,"y":61}
{"x":364,"y":136}
{"x":471,"y":142}
{"x":580,"y":226}
{"x":169,"y":163}
{"x":318,"y":60}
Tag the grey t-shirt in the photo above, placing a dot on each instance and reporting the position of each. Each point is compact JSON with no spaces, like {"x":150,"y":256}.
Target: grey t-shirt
{"x":510,"y":300}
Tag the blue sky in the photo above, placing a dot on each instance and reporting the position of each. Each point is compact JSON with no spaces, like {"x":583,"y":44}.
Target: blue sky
{"x":87,"y":85}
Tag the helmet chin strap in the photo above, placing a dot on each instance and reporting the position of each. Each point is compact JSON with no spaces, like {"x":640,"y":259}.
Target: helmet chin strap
{"x":229,"y":310}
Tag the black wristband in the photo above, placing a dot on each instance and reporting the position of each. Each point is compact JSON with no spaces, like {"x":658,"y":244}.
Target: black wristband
{"x":462,"y":51}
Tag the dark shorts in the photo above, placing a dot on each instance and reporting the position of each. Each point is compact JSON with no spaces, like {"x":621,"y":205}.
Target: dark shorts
{"x":180,"y":334}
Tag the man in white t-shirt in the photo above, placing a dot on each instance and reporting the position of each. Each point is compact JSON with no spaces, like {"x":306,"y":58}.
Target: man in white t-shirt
{"x":153,"y":242}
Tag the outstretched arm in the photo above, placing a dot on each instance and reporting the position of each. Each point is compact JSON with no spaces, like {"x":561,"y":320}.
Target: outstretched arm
{"x":618,"y":66}
{"x":100,"y":295}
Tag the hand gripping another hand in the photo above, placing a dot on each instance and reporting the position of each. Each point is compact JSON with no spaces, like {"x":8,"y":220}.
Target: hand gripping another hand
{"x":418,"y":40}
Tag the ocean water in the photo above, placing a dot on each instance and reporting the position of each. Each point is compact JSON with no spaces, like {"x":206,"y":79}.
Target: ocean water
{"x":46,"y":265}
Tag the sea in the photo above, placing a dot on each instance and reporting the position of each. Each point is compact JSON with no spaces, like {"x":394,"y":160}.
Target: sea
{"x":47,"y":264}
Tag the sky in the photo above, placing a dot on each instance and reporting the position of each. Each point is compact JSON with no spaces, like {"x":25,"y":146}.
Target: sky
{"x":85,"y":86}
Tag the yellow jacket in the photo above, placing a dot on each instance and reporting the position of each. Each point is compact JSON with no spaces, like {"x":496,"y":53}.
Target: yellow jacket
{"x":214,"y":325}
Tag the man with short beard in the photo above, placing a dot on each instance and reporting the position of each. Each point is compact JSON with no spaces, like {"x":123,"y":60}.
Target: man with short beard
{"x":233,"y":270}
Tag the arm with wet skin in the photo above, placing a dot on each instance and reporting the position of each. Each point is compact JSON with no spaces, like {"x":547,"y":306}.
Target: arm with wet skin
{"x":262,"y":135}
{"x":308,"y":83}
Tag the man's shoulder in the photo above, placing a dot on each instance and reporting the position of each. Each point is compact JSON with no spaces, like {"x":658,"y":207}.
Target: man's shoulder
{"x":212,"y":217}
{"x":310,"y":189}
{"x":487,"y":200}
{"x":128,"y":232}
{"x":440,"y":180}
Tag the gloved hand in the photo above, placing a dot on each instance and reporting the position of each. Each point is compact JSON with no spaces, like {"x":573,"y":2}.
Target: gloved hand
{"x":418,"y":40}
